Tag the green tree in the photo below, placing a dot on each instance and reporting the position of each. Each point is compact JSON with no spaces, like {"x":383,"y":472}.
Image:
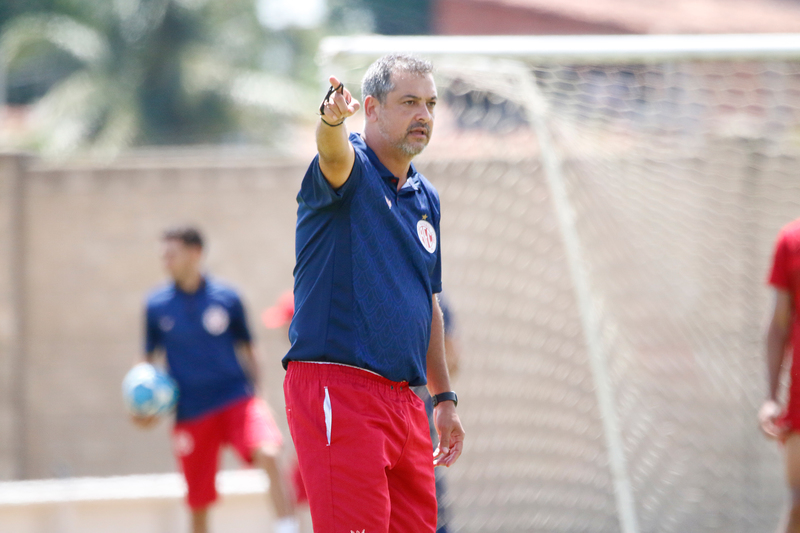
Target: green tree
{"x":155,"y":72}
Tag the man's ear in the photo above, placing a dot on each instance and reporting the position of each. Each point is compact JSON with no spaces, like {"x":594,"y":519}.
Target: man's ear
{"x":371,"y":108}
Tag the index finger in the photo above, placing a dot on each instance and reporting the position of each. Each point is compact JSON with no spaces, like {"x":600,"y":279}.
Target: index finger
{"x":335,"y":83}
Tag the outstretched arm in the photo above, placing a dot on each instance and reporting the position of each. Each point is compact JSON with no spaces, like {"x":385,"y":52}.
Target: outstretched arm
{"x":777,"y":339}
{"x":445,"y":418}
{"x":336,"y":154}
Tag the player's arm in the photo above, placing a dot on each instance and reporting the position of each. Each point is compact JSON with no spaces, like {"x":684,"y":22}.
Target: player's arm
{"x":777,"y":339}
{"x":152,"y":357}
{"x":247,"y":353}
{"x":336,"y":154}
{"x":153,"y":351}
{"x":146,"y":422}
{"x":445,"y":418}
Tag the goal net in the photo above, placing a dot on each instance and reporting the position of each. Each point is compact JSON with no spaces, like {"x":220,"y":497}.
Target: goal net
{"x":610,"y":206}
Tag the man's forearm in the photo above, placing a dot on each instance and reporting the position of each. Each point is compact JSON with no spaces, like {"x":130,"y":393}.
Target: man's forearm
{"x":252,"y":369}
{"x":438,"y":377}
{"x":776,"y":348}
{"x":333,"y":143}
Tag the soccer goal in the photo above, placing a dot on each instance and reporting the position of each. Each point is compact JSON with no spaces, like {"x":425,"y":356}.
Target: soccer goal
{"x":609,"y":210}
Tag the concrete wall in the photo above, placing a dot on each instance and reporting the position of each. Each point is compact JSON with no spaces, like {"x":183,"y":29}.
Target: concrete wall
{"x":12,"y":172}
{"x":90,"y":255}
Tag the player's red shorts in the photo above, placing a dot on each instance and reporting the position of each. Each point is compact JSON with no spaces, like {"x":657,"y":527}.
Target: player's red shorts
{"x":246,"y":425}
{"x":364,"y":450}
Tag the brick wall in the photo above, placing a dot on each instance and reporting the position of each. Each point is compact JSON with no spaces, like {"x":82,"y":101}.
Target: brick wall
{"x":459,"y":17}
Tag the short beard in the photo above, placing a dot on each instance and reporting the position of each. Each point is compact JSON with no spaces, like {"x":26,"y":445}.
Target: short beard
{"x":405,"y":146}
{"x":409,"y":149}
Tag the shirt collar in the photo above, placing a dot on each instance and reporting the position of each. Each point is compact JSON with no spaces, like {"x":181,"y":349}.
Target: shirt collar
{"x":412,"y":179}
{"x":200,"y":288}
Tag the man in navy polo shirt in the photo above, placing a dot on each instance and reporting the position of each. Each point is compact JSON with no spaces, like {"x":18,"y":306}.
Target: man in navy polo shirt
{"x":200,"y":325}
{"x":367,"y":324}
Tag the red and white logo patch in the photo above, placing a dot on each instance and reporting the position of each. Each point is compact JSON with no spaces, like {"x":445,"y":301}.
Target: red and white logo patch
{"x":216,"y":319}
{"x":427,"y":235}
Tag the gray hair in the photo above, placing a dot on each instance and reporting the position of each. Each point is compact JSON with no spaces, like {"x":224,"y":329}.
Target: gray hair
{"x":377,"y":81}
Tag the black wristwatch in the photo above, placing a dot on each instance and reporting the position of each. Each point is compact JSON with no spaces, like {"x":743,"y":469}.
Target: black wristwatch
{"x":451,"y":396}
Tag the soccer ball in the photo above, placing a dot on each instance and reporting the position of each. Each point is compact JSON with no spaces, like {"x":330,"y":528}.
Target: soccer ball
{"x":149,"y":391}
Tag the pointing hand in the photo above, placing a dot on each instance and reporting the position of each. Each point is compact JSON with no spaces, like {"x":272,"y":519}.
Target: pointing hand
{"x":338,"y":105}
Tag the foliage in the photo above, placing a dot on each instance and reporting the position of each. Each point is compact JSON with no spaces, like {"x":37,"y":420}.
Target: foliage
{"x":132,"y":72}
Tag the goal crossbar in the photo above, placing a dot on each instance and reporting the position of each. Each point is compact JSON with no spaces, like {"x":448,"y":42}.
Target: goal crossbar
{"x":597,"y":49}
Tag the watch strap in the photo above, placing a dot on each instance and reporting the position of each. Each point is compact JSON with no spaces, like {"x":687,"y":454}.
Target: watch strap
{"x":451,"y":396}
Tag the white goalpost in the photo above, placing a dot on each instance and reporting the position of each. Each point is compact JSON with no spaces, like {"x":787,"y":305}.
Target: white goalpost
{"x":657,"y":171}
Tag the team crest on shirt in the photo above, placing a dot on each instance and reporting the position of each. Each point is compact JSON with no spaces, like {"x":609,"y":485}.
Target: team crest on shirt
{"x":426,"y":234}
{"x":216,"y":319}
{"x":166,"y":323}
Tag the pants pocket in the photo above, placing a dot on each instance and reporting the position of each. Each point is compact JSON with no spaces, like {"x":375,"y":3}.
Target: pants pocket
{"x":326,"y":408}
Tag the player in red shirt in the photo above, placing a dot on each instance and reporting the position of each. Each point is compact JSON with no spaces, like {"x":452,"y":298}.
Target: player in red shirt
{"x":784,"y":331}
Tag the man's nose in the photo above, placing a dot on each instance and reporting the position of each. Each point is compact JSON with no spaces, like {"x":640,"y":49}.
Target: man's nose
{"x":424,"y":115}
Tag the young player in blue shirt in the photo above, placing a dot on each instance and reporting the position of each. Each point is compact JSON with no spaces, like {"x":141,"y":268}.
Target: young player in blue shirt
{"x":367,"y":323}
{"x":200,"y":325}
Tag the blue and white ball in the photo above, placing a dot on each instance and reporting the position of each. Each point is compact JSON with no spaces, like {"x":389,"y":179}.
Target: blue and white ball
{"x":149,"y":391}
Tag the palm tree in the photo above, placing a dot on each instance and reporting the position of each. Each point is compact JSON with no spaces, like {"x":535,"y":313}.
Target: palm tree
{"x":152,"y":72}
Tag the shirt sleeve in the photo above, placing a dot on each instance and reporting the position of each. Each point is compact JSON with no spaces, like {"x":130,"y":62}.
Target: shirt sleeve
{"x":779,"y":275}
{"x":317,"y":193}
{"x":238,"y":326}
{"x":152,"y":332}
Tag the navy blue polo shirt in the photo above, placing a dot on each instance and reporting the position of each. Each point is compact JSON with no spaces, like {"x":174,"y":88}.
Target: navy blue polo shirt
{"x":198,"y":332}
{"x":368,"y":264}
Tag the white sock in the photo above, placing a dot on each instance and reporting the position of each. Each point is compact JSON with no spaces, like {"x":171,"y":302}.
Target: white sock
{"x":287,"y":525}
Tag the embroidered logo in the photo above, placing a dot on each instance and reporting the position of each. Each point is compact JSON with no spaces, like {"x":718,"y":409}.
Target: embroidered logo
{"x":388,"y":202}
{"x":216,"y":319}
{"x":183,"y":443}
{"x":357,"y":531}
{"x":427,"y":235}
{"x":166,"y":323}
